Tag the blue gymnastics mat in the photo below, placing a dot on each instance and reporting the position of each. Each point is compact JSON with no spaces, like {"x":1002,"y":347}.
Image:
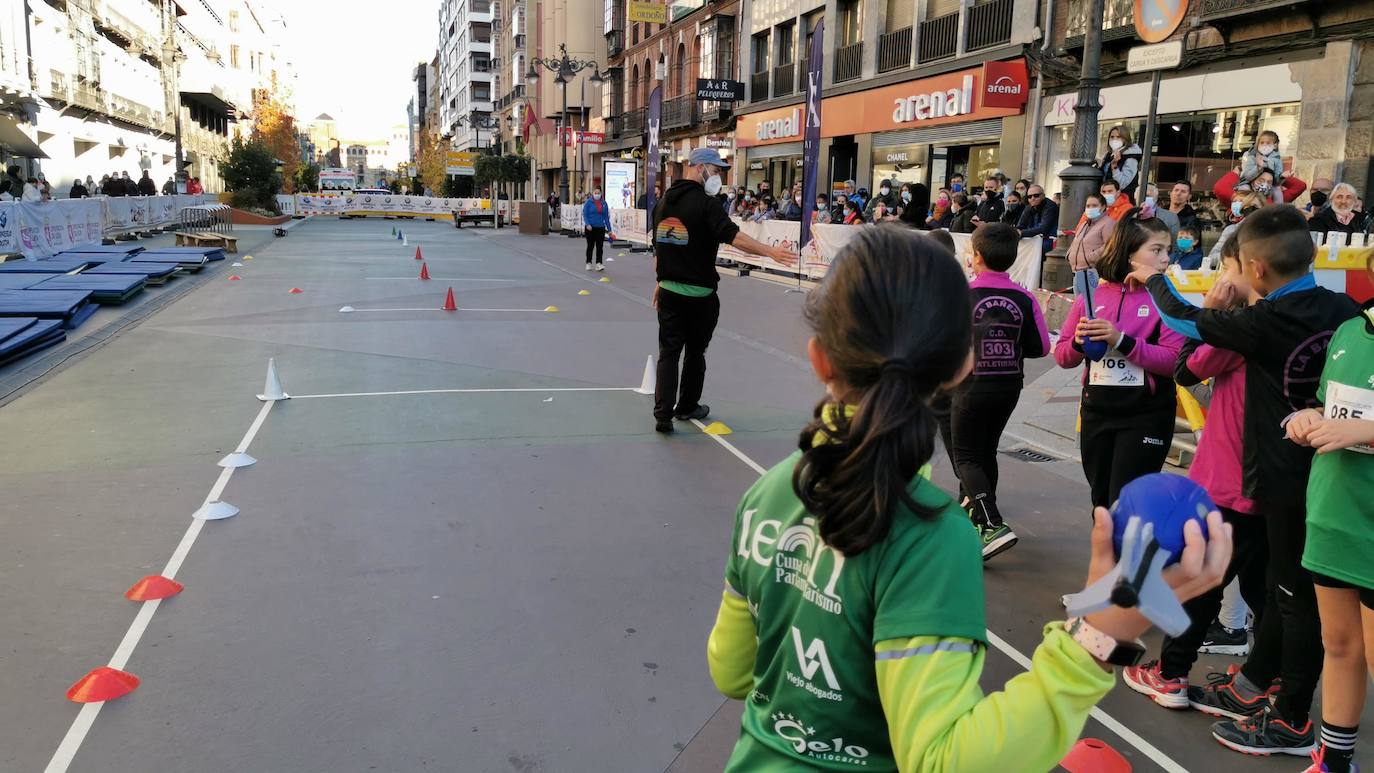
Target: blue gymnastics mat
{"x":51,"y":266}
{"x":211,"y":253}
{"x":105,"y":289}
{"x":192,"y":263}
{"x":71,"y":307}
{"x":155,"y":273}
{"x":111,"y":249}
{"x":22,"y":336}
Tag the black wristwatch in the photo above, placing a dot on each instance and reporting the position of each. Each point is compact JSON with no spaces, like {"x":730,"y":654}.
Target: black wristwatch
{"x":1103,"y":647}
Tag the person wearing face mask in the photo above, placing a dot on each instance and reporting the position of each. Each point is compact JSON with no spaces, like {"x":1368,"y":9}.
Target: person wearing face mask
{"x":1094,"y":229}
{"x":792,"y":209}
{"x":837,"y":207}
{"x":1015,"y":206}
{"x":1117,"y":203}
{"x":1318,"y":197}
{"x":956,"y":183}
{"x":942,"y":214}
{"x":821,"y":215}
{"x":962,"y":220}
{"x":1263,"y":156}
{"x":1121,"y":161}
{"x":688,"y":228}
{"x":1237,"y":212}
{"x":913,"y":202}
{"x":992,"y":207}
{"x":1151,"y":204}
{"x":1187,"y":252}
{"x":1341,"y":215}
{"x":596,"y":221}
{"x":886,"y":198}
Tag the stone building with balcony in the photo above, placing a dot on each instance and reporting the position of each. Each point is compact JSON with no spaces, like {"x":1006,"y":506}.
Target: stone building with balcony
{"x":700,"y":41}
{"x":1301,"y":68}
{"x":904,"y":89}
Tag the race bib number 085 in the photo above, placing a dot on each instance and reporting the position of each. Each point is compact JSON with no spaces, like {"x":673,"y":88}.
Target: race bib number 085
{"x":1349,"y":402}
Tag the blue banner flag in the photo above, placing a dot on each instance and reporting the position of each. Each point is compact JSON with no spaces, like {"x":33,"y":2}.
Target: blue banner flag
{"x":654,"y":121}
{"x":811,"y":139}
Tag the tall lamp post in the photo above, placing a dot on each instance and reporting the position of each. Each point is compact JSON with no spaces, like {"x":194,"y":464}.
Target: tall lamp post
{"x":477,"y":122}
{"x":1082,"y":178}
{"x":565,"y":68}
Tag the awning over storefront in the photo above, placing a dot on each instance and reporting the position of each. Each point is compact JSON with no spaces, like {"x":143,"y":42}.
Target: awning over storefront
{"x":775,"y":151}
{"x":214,"y":101}
{"x":15,"y":138}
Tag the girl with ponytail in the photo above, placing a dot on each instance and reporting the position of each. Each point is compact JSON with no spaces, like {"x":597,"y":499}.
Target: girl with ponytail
{"x":852,"y":618}
{"x":1128,"y":401}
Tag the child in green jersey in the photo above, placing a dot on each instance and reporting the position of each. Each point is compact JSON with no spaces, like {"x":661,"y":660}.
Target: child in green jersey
{"x":852,"y":619}
{"x":1340,"y":529}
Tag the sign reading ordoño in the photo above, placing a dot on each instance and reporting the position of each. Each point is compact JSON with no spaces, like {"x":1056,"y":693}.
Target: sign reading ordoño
{"x":710,"y":90}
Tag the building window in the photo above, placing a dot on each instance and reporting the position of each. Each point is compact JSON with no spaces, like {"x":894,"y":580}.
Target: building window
{"x":937,"y":8}
{"x":233,"y":21}
{"x":787,"y":39}
{"x":679,"y":69}
{"x":759,"y":50}
{"x":849,"y":21}
{"x":899,"y":15}
{"x":234,"y":57}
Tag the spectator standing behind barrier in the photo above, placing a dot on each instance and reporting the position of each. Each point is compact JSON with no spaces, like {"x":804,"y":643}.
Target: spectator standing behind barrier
{"x":169,"y":188}
{"x":596,"y":221}
{"x":1040,"y":217}
{"x":1121,"y":160}
{"x":1340,"y":215}
{"x":962,"y":220}
{"x":146,"y":186}
{"x":194,"y":187}
{"x":32,"y":193}
{"x":78,"y":190}
{"x":1179,"y":197}
{"x":689,"y":226}
{"x":853,"y":214}
{"x":1094,"y":230}
{"x":914,"y":206}
{"x":821,"y":215}
{"x":11,"y":185}
{"x":886,"y":198}
{"x":1015,"y":206}
{"x":1150,"y":203}
{"x":992,"y":207}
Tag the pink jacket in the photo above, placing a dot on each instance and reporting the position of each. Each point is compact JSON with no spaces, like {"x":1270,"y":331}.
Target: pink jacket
{"x":1217,"y":467}
{"x":1148,"y":343}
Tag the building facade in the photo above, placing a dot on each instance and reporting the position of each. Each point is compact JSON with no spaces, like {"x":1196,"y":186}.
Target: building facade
{"x":511,"y":37}
{"x":577,"y":24}
{"x":1304,"y":70}
{"x":700,"y":41}
{"x":467,"y":79}
{"x":913,"y":90}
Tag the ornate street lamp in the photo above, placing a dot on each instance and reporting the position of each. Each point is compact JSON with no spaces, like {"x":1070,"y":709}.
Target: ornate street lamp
{"x":565,"y":68}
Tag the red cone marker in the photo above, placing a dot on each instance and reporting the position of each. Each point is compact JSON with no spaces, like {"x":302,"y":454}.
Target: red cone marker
{"x":449,"y":303}
{"x":424,"y":272}
{"x":295,"y":291}
{"x":417,"y":253}
{"x":235,"y":278}
{"x":102,"y":684}
{"x":1093,"y":756}
{"x":153,"y":587}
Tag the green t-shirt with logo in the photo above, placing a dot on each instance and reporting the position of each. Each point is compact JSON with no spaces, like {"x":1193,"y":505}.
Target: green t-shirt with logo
{"x":1340,"y":514}
{"x":818,"y":614}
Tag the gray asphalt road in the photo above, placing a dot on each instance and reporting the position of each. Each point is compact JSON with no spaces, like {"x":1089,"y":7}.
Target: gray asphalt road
{"x":455,"y":580}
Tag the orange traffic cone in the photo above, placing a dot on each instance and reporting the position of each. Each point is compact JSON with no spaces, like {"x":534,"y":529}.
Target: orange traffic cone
{"x":153,"y":587}
{"x":235,"y":278}
{"x":417,"y":253}
{"x":449,"y":303}
{"x":1093,"y":756}
{"x":295,"y":291}
{"x":102,"y":684}
{"x":424,"y":272}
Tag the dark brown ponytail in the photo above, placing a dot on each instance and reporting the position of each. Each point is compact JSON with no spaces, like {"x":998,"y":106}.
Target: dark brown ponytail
{"x":893,"y":318}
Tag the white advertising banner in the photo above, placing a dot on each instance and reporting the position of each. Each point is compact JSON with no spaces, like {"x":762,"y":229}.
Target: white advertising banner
{"x":570,"y":218}
{"x":628,"y":224}
{"x":49,"y":227}
{"x":619,"y":178}
{"x":287,"y":204}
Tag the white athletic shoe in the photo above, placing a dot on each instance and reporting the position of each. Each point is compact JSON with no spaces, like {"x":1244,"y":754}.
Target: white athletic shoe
{"x":600,"y":267}
{"x":588,"y":268}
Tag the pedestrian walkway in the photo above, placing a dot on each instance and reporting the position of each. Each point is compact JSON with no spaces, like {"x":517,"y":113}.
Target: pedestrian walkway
{"x":462,"y":545}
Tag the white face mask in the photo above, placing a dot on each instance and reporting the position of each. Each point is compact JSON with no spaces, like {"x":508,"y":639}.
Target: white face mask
{"x":596,"y":197}
{"x":1110,"y":197}
{"x":713,"y":184}
{"x":1265,"y":150}
{"x":884,"y":190}
{"x":1150,"y":202}
{"x":1115,"y":144}
{"x":1093,"y":213}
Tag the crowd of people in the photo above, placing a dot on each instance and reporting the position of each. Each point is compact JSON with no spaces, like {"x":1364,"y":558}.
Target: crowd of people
{"x":905,"y":347}
{"x":14,"y":187}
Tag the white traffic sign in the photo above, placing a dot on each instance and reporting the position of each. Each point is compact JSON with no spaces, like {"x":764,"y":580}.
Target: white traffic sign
{"x":1159,"y":56}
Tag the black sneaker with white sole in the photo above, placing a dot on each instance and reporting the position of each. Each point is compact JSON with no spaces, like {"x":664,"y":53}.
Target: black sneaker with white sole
{"x":698,"y":413}
{"x":1266,"y":733}
{"x":996,"y":539}
{"x":1221,"y":640}
{"x":663,"y":425}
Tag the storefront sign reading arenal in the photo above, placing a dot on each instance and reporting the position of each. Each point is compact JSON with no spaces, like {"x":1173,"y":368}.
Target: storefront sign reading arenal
{"x":713,"y":90}
{"x":995,"y":90}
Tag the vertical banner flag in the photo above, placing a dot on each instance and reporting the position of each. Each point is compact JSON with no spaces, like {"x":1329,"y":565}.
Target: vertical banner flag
{"x":811,"y":139}
{"x":654,"y":119}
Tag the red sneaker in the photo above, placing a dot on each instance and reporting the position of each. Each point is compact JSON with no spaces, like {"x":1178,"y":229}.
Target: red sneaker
{"x":1146,"y":680}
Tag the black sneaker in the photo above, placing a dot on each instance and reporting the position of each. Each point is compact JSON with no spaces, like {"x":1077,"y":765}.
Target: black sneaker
{"x":698,"y":413}
{"x":1266,"y":733}
{"x":663,"y":425}
{"x":1219,"y":698}
{"x":1221,"y":640}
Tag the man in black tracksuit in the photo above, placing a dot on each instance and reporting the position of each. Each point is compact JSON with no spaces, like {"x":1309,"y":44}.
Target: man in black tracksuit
{"x":993,"y":207}
{"x":1283,"y":337}
{"x":689,"y":225}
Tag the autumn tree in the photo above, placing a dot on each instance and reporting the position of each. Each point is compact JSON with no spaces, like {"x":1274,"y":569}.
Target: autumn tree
{"x":275,"y":127}
{"x":431,"y":160}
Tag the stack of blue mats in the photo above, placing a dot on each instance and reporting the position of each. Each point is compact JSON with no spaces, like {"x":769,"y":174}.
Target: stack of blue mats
{"x":190,"y":262}
{"x":155,"y":273}
{"x":211,"y":254}
{"x":50,"y":266}
{"x":71,"y":307}
{"x":105,"y":289}
{"x":117,"y":250}
{"x":22,"y":336}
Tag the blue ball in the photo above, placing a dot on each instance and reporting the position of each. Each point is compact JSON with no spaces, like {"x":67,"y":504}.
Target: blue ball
{"x":1094,"y":350}
{"x":1167,"y":501}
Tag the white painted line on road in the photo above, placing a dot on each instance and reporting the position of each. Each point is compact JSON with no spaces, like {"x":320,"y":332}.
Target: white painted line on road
{"x":76,"y":734}
{"x":465,"y":392}
{"x":731,"y":448}
{"x":352,"y":310}
{"x":1125,"y":733}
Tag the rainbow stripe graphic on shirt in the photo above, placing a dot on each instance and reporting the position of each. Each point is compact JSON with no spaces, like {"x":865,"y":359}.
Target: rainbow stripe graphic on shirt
{"x":670,"y":231}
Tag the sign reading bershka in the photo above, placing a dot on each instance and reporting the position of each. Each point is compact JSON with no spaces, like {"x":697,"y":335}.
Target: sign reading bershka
{"x":710,"y":90}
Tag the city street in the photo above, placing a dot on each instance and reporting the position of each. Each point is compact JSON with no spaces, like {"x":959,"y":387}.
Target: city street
{"x":462,"y":546}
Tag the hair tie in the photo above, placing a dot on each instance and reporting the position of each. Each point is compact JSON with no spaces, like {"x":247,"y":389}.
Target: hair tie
{"x":899,"y":366}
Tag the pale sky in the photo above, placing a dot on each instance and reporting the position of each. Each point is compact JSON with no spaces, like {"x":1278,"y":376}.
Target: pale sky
{"x":354,"y":60}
